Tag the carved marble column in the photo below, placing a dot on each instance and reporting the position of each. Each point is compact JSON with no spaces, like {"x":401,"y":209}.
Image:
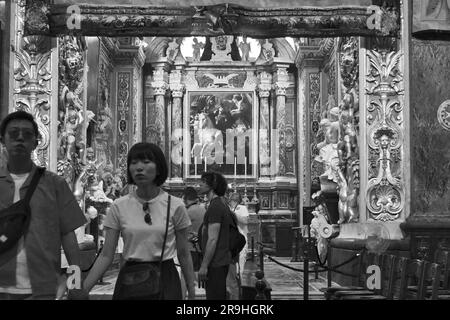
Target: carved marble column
{"x":264,"y":88}
{"x":280,"y":84}
{"x":156,"y":130}
{"x":177,"y":89}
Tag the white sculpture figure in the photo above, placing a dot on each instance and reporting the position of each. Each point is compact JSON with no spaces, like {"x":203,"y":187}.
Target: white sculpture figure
{"x":267,"y":50}
{"x":315,"y":226}
{"x":172,"y":50}
{"x":328,"y":153}
{"x":245,"y":48}
{"x":197,"y":46}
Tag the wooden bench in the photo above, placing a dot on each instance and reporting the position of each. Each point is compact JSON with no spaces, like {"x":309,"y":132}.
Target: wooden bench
{"x":248,"y":282}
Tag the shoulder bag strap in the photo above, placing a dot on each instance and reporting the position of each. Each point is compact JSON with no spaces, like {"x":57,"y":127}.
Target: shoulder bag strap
{"x":33,"y":184}
{"x":164,"y":244}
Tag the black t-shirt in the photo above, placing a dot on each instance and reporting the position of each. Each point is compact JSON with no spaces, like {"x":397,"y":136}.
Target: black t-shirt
{"x":218,"y":212}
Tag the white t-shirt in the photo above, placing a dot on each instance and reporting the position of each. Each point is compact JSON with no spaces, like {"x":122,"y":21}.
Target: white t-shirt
{"x":23,"y":284}
{"x":143,"y":242}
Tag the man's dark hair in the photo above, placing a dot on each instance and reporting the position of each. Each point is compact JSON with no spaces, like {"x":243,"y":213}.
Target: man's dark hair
{"x":19,"y":115}
{"x":148,"y":151}
{"x":216,"y":182}
{"x":190,"y":194}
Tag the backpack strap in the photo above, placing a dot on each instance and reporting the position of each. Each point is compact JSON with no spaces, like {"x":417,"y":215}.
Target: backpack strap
{"x":33,"y":184}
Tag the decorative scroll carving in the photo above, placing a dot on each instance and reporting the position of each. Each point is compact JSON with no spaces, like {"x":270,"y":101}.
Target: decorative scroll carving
{"x":385,"y":191}
{"x":32,"y":75}
{"x":221,"y":79}
{"x":316,"y":133}
{"x":37,"y":17}
{"x":443,"y":115}
{"x":216,"y":20}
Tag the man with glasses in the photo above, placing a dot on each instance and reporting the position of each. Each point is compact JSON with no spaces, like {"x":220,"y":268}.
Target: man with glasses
{"x":30,"y":269}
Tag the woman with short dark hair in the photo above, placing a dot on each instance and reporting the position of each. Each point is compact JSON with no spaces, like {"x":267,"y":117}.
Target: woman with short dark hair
{"x":141,"y":219}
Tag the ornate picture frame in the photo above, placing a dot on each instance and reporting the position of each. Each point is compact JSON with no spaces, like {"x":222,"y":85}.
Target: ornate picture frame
{"x":212,"y":117}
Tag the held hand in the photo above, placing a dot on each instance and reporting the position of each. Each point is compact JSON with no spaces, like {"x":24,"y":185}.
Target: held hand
{"x":191,"y":293}
{"x":78,"y":294}
{"x":202,"y":273}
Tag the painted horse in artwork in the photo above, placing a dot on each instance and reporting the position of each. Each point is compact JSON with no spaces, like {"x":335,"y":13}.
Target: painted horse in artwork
{"x":206,"y":137}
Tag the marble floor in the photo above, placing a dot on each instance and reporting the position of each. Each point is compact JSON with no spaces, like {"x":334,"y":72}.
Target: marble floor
{"x":286,"y":284}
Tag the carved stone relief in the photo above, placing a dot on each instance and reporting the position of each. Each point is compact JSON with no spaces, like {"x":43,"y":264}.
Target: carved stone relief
{"x":212,"y":20}
{"x":316,"y":134}
{"x":221,"y":48}
{"x":384,"y":86}
{"x":32,"y":81}
{"x":124,"y":96}
{"x":348,"y":149}
{"x":232,"y":79}
{"x":105,"y":116}
{"x":73,"y":118}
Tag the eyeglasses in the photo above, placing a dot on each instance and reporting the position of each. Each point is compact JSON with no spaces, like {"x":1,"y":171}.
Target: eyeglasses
{"x":147,"y":217}
{"x":27,"y":134}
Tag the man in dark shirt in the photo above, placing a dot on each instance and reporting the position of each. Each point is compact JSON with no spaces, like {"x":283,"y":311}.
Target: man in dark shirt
{"x":215,"y":237}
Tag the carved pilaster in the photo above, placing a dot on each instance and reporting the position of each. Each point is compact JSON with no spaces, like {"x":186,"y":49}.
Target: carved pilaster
{"x":129,"y":59}
{"x":280,"y":85}
{"x":177,"y":88}
{"x":384,"y":80}
{"x":264,"y":87}
{"x":32,"y":87}
{"x":156,"y":132}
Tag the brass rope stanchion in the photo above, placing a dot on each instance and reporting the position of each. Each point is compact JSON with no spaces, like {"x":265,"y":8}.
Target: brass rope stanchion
{"x":306,"y":263}
{"x":260,"y":286}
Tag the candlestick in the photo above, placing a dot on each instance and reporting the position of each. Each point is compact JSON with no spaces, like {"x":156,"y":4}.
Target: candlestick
{"x":205,"y":165}
{"x":195,"y":165}
{"x":235,"y":168}
{"x":245,"y":166}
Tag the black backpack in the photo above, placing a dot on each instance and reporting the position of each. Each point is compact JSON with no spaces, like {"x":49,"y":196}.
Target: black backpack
{"x":237,"y":239}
